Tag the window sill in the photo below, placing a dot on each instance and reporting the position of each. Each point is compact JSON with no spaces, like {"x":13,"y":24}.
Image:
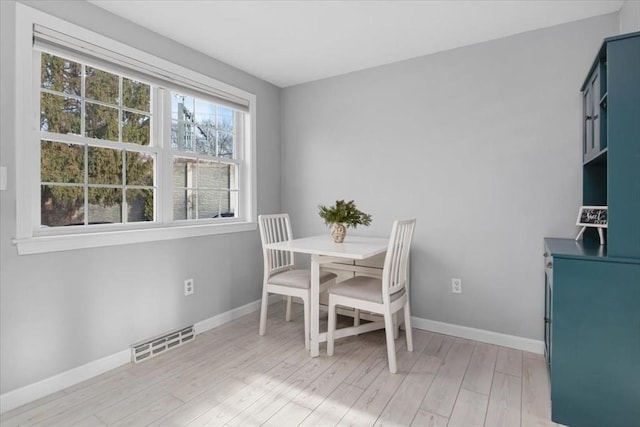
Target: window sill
{"x":67,"y":242}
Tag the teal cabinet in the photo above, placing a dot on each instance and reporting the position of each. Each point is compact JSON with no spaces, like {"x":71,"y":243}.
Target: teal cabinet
{"x":592,"y":291}
{"x":594,"y":108}
{"x":623,"y":157}
{"x":593,"y":346}
{"x":611,"y":141}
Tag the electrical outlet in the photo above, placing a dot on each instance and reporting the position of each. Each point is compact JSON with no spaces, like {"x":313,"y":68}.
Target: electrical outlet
{"x":456,"y":286}
{"x":188,"y":287}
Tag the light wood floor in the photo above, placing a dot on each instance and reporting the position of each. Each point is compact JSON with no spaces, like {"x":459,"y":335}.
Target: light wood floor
{"x":230,"y":376}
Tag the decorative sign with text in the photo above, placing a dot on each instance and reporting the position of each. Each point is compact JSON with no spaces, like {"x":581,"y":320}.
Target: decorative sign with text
{"x":592,"y":216}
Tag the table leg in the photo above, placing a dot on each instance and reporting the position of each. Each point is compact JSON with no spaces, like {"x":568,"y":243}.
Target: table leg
{"x":315,"y":306}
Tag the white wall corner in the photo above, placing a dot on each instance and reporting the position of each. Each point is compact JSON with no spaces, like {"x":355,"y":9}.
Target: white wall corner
{"x":504,"y":340}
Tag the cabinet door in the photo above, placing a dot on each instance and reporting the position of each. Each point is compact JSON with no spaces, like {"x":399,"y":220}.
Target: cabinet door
{"x":587,"y":107}
{"x":595,"y":351}
{"x":595,"y":113}
{"x":594,"y":139}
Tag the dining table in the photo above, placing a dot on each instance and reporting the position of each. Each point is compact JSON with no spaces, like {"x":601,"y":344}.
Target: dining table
{"x":324,"y":250}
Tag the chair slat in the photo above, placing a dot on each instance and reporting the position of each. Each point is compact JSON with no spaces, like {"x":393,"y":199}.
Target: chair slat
{"x":275,"y":229}
{"x":394,"y":280}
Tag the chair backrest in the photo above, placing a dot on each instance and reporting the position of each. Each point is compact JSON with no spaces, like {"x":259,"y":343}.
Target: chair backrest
{"x":396,"y":262}
{"x":273,"y":229}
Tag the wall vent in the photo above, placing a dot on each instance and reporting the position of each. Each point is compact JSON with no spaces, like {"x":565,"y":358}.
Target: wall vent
{"x":147,"y":349}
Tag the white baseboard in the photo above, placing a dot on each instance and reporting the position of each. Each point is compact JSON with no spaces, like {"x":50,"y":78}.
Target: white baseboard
{"x":228,"y":316}
{"x":31,"y":392}
{"x":512,"y":341}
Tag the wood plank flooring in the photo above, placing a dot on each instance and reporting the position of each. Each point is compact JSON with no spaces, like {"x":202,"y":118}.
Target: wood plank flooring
{"x":230,"y":376}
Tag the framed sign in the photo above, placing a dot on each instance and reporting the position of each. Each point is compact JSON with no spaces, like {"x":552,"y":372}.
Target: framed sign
{"x":592,"y":216}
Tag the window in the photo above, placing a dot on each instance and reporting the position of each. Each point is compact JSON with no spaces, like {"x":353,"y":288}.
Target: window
{"x":126,"y":147}
{"x":203,"y":137}
{"x":97,"y":159}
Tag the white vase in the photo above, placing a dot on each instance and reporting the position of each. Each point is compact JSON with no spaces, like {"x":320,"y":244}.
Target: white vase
{"x":338,"y":232}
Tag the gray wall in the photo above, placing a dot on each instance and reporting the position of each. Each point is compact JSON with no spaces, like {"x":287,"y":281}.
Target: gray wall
{"x":630,"y":16}
{"x":61,"y":310}
{"x":481,"y":144}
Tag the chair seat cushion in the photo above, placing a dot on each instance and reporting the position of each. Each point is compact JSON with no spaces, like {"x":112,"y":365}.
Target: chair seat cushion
{"x":298,"y":278}
{"x":363,"y":288}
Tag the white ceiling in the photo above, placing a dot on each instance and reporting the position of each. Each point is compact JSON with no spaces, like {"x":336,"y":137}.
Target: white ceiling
{"x":292,"y":42}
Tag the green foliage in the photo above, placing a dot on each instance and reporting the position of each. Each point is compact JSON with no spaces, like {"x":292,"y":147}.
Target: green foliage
{"x":345,"y":213}
{"x":64,"y":163}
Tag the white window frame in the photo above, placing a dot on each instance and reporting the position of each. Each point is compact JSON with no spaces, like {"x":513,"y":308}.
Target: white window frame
{"x":30,"y":239}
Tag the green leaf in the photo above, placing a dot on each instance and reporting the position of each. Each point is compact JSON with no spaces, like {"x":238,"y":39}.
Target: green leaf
{"x":346,"y":213}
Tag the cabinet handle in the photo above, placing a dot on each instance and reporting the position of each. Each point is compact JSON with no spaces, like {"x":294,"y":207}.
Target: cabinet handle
{"x":549,"y":264}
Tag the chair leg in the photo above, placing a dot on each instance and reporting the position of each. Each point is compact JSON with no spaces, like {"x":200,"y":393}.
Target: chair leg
{"x":331,"y":327}
{"x":263,"y":311}
{"x":307,"y":318}
{"x":287,"y":316}
{"x":391,"y":345}
{"x":407,"y":326}
{"x":396,"y":326}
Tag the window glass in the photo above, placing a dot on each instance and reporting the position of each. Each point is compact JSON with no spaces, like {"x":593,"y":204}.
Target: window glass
{"x":225,"y":119}
{"x":206,"y":129}
{"x":216,"y":204}
{"x":60,"y":75}
{"x":225,"y":144}
{"x":104,"y":166}
{"x":61,"y":205}
{"x":59,"y":114}
{"x":105,"y":205}
{"x":204,"y":113}
{"x":101,"y":122}
{"x":84,"y":181}
{"x":136,"y":128}
{"x":99,"y":156}
{"x":140,"y":205}
{"x":140,"y":167}
{"x":136,"y":95}
{"x":102,"y":86}
{"x":183,"y":204}
{"x":63,"y":163}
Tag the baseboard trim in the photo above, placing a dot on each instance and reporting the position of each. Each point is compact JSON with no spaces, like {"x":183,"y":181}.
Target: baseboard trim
{"x":228,"y":316}
{"x":482,"y":335}
{"x":31,"y":392}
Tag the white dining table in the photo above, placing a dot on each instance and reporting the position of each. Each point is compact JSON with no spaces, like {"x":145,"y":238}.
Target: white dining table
{"x":324,"y":250}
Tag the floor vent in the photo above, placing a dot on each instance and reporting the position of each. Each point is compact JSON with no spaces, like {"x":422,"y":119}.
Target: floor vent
{"x":158,"y":345}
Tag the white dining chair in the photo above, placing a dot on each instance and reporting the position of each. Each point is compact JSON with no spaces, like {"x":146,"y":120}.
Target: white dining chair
{"x":280,"y":274}
{"x":385,"y":296}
